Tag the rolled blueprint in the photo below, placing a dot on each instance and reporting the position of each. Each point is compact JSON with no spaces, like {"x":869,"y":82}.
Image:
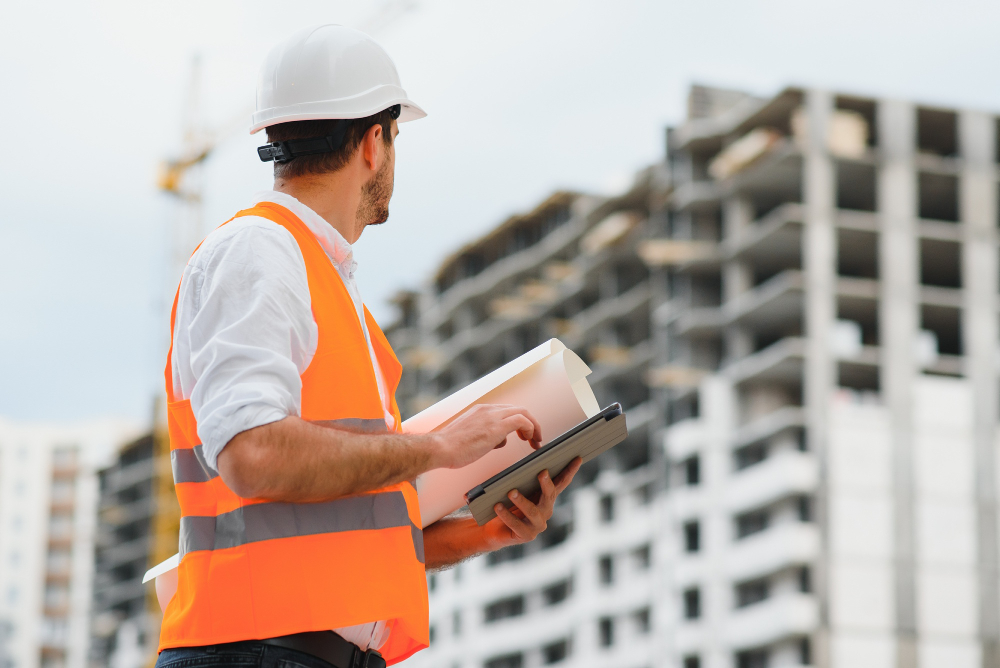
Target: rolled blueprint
{"x":550,"y":381}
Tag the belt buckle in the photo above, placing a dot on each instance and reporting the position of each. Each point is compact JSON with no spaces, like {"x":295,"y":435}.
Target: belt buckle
{"x":371,"y":659}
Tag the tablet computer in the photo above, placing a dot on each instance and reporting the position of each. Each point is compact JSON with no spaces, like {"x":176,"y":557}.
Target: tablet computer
{"x":586,"y":440}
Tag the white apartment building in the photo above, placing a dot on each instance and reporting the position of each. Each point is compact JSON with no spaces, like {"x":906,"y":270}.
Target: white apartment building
{"x":799,"y":310}
{"x":48,"y":516}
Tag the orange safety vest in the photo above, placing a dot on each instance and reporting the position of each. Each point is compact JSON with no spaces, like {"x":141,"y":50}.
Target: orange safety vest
{"x":254,"y":569}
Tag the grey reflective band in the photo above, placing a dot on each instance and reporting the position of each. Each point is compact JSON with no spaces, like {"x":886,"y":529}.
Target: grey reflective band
{"x":269,"y":521}
{"x":362,"y":425}
{"x":189,"y":465}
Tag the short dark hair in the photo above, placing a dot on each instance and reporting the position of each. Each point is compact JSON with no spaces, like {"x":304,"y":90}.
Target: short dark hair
{"x":323,"y":163}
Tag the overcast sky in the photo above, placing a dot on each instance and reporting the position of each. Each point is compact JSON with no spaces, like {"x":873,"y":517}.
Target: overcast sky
{"x":523,"y":96}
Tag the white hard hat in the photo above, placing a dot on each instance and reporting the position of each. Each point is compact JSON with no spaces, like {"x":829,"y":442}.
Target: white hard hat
{"x":328,"y":72}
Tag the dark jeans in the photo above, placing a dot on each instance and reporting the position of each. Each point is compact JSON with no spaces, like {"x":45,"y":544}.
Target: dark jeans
{"x":248,"y":654}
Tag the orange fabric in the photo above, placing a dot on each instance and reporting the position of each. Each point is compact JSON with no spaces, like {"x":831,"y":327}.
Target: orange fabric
{"x":315,"y":582}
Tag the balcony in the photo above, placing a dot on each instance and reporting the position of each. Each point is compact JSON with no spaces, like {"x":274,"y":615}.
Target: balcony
{"x":696,"y":195}
{"x":783,"y":616}
{"x":781,"y":362}
{"x":787,"y":473}
{"x":775,"y":548}
{"x":638,"y":358}
{"x":607,"y":310}
{"x":700,"y":322}
{"x":774,"y":241}
{"x":774,"y":305}
{"x":770,"y":425}
{"x":685,"y":438}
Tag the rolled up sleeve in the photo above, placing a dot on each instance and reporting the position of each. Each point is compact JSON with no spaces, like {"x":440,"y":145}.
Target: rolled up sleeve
{"x":249,"y":331}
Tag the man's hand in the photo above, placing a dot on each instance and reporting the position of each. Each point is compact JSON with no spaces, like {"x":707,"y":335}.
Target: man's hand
{"x":529,"y":518}
{"x":480,"y":429}
{"x":452,"y":540}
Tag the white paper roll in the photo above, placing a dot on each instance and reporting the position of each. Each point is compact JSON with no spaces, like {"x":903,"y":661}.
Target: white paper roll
{"x":550,"y":381}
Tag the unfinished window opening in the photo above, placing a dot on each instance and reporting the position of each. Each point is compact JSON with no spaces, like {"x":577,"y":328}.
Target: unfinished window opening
{"x":556,"y":593}
{"x":753,"y":522}
{"x":858,"y":377}
{"x":938,"y":196}
{"x":692,"y":537}
{"x":642,"y":557}
{"x":629,"y":275}
{"x":643,"y":620}
{"x":945,"y":324}
{"x":692,"y":603}
{"x":867,"y":108}
{"x":555,"y":652}
{"x":606,"y":631}
{"x":856,"y":186}
{"x":750,"y":455}
{"x":805,"y":652}
{"x":632,"y":453}
{"x":555,"y":534}
{"x":607,"y":508}
{"x":940,"y":263}
{"x":706,"y":353}
{"x":706,"y":224}
{"x":692,"y":471}
{"x":996,"y":140}
{"x":857,"y":254}
{"x":512,"y":553}
{"x":937,"y":132}
{"x":763,"y":340}
{"x":684,"y":408}
{"x":706,"y":290}
{"x":753,"y":658}
{"x":505,"y":661}
{"x":692,"y":661}
{"x":805,"y":580}
{"x":805,"y":509}
{"x":764,"y":202}
{"x":858,"y":313}
{"x":785,"y":256}
{"x":504,"y":608}
{"x":606,"y":569}
{"x":752,"y":592}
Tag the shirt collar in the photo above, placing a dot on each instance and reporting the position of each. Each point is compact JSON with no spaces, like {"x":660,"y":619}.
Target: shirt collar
{"x":333,"y":242}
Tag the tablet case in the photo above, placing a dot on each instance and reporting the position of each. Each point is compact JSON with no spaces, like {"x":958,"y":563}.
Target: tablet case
{"x":586,"y":440}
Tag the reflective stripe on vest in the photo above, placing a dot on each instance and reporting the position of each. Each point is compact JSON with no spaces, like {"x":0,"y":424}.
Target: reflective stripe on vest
{"x":253,"y":568}
{"x":267,"y":521}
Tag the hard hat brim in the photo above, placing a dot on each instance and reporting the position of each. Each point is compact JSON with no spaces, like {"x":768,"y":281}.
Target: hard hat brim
{"x":332,"y":110}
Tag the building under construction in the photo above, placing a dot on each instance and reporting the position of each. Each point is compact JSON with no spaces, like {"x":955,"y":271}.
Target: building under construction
{"x":48,"y":500}
{"x":798,"y":309}
{"x":138,"y":525}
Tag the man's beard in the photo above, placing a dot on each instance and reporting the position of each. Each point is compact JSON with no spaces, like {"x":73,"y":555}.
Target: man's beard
{"x":375,"y":195}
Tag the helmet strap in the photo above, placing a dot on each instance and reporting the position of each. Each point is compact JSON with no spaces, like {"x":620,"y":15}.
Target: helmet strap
{"x":288,"y":150}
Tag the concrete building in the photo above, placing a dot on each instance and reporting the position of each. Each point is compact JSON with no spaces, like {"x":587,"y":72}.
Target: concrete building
{"x":138,"y":525}
{"x":48,"y":503}
{"x":798,"y":308}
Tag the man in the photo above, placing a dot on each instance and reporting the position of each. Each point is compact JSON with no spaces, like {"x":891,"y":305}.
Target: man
{"x":300,"y":533}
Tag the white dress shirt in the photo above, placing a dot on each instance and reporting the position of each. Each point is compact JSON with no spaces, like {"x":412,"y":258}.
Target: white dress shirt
{"x":244,"y":333}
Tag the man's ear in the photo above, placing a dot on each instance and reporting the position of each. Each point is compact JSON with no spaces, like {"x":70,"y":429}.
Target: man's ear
{"x":373,"y":147}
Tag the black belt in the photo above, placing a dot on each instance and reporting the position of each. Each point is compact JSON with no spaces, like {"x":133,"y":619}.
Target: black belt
{"x":329,"y":647}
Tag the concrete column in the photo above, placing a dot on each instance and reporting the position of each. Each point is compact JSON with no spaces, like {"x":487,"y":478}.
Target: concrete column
{"x":899,"y":321}
{"x":981,"y":331}
{"x":819,"y":254}
{"x":718,"y":413}
{"x":737,"y":275}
